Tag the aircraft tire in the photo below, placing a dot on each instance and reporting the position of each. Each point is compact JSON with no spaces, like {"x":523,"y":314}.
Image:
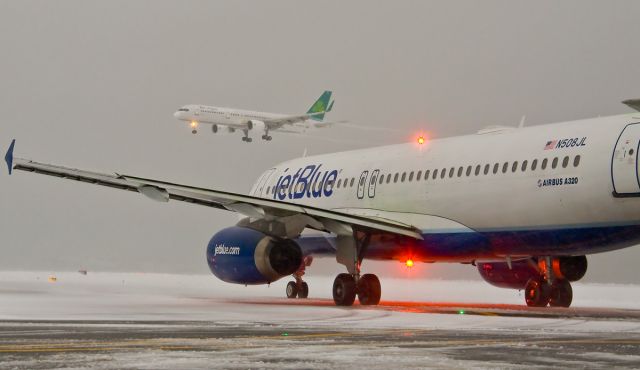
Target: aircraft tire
{"x":561,"y":294}
{"x":369,"y":290}
{"x":344,"y":290}
{"x":537,"y":293}
{"x":292,"y":289}
{"x":304,"y":290}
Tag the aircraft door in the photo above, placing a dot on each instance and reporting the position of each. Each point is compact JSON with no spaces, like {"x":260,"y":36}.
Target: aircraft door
{"x":372,"y":183}
{"x":624,"y":164}
{"x":362,"y":183}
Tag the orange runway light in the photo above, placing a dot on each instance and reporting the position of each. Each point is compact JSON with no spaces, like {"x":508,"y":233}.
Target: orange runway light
{"x":409,"y":263}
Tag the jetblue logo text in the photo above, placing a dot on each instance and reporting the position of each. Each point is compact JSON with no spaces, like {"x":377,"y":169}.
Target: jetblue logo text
{"x":309,"y":182}
{"x":223,"y":249}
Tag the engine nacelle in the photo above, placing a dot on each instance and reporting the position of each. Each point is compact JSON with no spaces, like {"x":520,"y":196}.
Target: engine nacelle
{"x":245,"y":256}
{"x":500,"y":275}
{"x":572,"y":268}
{"x":256,"y":125}
{"x":214,"y":128}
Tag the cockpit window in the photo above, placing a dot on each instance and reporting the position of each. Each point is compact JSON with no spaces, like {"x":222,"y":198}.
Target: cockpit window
{"x":183,"y":110}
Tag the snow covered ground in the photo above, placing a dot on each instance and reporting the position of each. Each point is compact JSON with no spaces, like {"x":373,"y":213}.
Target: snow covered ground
{"x":131,"y":296}
{"x":118,"y":320}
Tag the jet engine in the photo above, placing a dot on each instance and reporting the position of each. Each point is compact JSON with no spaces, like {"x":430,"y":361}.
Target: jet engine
{"x":500,"y":275}
{"x":256,"y":125}
{"x":571,"y":268}
{"x":245,"y":256}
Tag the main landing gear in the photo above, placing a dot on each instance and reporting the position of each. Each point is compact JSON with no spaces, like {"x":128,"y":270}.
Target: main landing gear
{"x":299,"y":288}
{"x":246,"y":137}
{"x":548,"y":289}
{"x":266,"y":137}
{"x":350,"y":252}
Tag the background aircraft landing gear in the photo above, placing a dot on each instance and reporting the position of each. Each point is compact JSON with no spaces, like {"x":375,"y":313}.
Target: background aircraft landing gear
{"x":246,"y":137}
{"x":266,"y":137}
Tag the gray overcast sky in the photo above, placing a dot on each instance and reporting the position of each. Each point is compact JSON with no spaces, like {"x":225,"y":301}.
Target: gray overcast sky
{"x":94,"y":84}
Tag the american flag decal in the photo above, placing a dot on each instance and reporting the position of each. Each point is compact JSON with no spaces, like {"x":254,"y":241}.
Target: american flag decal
{"x":550,"y":144}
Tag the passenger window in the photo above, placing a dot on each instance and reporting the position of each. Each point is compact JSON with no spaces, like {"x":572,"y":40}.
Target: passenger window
{"x":554,"y":164}
{"x":426,"y":174}
{"x":411,"y":176}
{"x":404,"y":175}
{"x":388,"y":178}
{"x":395,"y":177}
{"x":353,"y":179}
{"x":505,"y":167}
{"x":435,"y":173}
{"x":381,"y":179}
{"x":468,"y":171}
{"x":460,"y":171}
{"x":477,"y":170}
{"x":486,"y":169}
{"x":544,"y":164}
{"x":524,"y":166}
{"x":418,"y":175}
{"x":565,"y":162}
{"x":339,"y":183}
{"x":451,"y":171}
{"x":443,"y":173}
{"x":495,"y":168}
{"x":534,"y":164}
{"x":576,"y":161}
{"x":268,"y":188}
{"x":514,"y":167}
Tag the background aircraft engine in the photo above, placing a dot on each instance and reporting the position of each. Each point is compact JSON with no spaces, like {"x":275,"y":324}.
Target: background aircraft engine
{"x":245,"y":256}
{"x":256,"y":125}
{"x":214,"y":128}
{"x":499,"y":274}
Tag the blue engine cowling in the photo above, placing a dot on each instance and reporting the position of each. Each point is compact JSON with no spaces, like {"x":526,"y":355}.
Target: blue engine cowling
{"x":245,"y":256}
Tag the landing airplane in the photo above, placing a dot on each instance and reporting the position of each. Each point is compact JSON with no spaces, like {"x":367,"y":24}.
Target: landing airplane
{"x":230,"y":120}
{"x":524,"y":205}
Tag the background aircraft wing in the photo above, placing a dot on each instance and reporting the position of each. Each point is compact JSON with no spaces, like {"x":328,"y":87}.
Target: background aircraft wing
{"x":253,"y":207}
{"x":276,"y":123}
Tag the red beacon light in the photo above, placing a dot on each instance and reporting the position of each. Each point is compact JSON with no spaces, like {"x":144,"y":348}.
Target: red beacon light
{"x":409,"y":263}
{"x":421,"y":140}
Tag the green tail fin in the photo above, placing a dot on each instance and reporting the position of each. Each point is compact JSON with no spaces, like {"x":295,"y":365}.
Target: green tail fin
{"x":321,"y":106}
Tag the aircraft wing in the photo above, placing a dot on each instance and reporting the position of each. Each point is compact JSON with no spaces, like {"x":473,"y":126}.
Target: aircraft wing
{"x":275,"y":123}
{"x":253,"y":207}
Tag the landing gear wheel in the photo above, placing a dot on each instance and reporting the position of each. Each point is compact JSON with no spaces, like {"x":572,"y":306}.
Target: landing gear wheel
{"x":266,"y":137}
{"x":292,"y":289}
{"x":537,"y":293}
{"x":561,"y":294}
{"x":344,"y":290}
{"x":303,"y":292}
{"x":369,"y":290}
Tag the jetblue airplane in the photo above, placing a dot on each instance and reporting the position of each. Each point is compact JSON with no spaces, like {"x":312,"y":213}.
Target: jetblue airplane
{"x":523,"y":205}
{"x":230,"y":119}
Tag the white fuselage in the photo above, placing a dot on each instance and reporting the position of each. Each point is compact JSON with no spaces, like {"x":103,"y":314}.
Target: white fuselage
{"x":227,"y":119}
{"x":482,"y":182}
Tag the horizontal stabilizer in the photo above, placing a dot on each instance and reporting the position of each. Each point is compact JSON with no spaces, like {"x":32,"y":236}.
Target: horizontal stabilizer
{"x":632,"y":103}
{"x":9,"y":156}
